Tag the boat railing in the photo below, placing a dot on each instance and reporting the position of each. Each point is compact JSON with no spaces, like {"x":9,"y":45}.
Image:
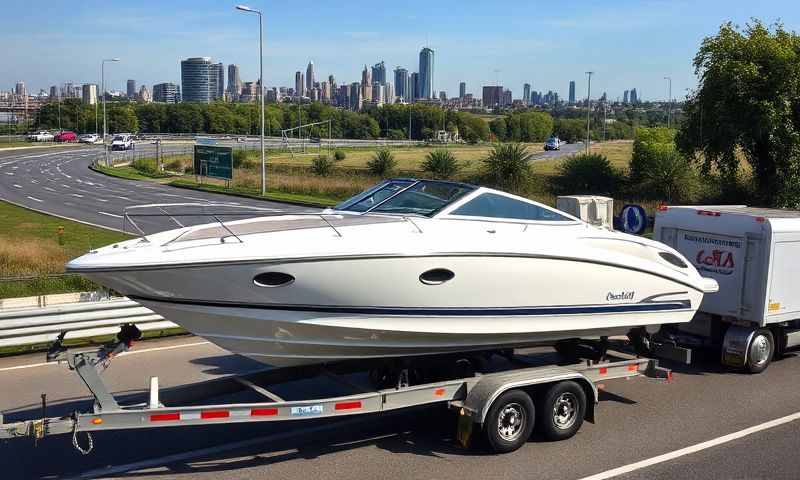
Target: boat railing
{"x":220,"y":213}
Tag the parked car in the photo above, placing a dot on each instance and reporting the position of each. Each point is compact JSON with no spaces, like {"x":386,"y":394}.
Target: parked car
{"x":89,"y":138}
{"x":66,"y":136}
{"x":122,"y":141}
{"x":41,"y":136}
{"x":552,"y":143}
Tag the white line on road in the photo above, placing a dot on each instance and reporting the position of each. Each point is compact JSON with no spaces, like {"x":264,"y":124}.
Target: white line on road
{"x":124,"y":354}
{"x":9,"y":173}
{"x":16,"y":186}
{"x":101,"y":199}
{"x":694,"y":448}
{"x":48,"y":189}
{"x":77,"y":195}
{"x":35,"y":199}
{"x":110,"y":214}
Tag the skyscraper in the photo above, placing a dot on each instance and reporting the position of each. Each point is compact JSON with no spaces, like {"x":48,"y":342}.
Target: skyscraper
{"x":310,"y":76}
{"x":426,"y":73}
{"x":219,"y":90}
{"x":401,"y":83}
{"x":166,"y":93}
{"x":200,"y":79}
{"x":625,"y":97}
{"x":19,"y":89}
{"x":355,"y":96}
{"x":89,"y":94}
{"x":462,"y":90}
{"x":144,"y":94}
{"x":379,"y":72}
{"x":413,"y":91}
{"x":526,"y":94}
{"x":492,"y":96}
{"x":572,"y":92}
{"x":234,"y":82}
{"x":366,"y":84}
{"x":53,"y":92}
{"x":634,"y":97}
{"x":389,"y":93}
{"x":299,"y":86}
{"x":131,"y":89}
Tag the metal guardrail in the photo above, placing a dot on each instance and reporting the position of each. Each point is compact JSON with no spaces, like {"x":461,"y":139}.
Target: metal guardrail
{"x":34,"y":326}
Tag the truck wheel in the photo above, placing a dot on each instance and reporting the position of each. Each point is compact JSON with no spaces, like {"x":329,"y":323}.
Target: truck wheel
{"x":561,"y":410}
{"x":761,"y":351}
{"x":510,"y":421}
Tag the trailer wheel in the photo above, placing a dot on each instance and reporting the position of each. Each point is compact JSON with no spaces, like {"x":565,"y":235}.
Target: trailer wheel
{"x":761,"y":351}
{"x":562,"y":408}
{"x":510,"y":421}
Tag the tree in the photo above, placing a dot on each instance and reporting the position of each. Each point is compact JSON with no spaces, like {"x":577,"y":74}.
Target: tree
{"x":508,"y":166}
{"x":748,"y":101}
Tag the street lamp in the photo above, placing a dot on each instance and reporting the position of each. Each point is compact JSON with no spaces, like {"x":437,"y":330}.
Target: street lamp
{"x":103,"y":92}
{"x":669,"y":102}
{"x":588,"y":110}
{"x":245,"y":8}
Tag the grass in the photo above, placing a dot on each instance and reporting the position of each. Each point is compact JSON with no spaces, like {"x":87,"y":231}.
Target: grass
{"x":30,"y":247}
{"x":211,"y":185}
{"x":618,"y":152}
{"x":15,"y":143}
{"x":129,"y":173}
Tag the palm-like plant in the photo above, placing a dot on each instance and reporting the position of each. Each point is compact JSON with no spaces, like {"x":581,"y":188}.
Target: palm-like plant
{"x":508,"y":166}
{"x":382,"y":163}
{"x":441,"y":163}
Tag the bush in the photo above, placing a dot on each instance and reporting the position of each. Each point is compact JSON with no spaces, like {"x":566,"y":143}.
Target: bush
{"x":145,"y":165}
{"x":239,"y":158}
{"x":382,"y":163}
{"x":670,"y":177}
{"x":508,"y":166}
{"x":590,"y":173}
{"x":339,"y":155}
{"x":174,"y":166}
{"x":322,"y":166}
{"x":441,"y":163}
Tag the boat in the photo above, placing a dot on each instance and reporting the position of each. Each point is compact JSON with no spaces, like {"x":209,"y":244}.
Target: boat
{"x":407,"y":268}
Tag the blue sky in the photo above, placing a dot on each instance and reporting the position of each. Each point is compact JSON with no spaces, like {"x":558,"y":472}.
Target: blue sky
{"x":627,"y":43}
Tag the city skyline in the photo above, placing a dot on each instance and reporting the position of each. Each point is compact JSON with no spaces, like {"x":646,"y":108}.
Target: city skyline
{"x":562,"y":47}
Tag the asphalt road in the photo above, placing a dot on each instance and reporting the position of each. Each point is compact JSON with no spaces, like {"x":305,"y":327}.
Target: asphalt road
{"x":58,"y":181}
{"x":637,"y":420}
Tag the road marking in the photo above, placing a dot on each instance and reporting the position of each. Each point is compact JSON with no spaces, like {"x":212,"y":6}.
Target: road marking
{"x":101,"y":199}
{"x":124,"y":354}
{"x":65,"y":185}
{"x":77,"y":195}
{"x":48,"y":189}
{"x":35,"y":199}
{"x":16,"y":186}
{"x":9,"y":173}
{"x":694,"y":448}
{"x":110,"y":214}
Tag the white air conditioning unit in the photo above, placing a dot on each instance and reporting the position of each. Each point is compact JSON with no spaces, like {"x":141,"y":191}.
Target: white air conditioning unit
{"x":592,"y":209}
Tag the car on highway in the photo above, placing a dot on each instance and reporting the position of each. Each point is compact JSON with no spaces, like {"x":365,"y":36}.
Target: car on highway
{"x":122,"y":141}
{"x":89,"y":138}
{"x":552,"y":143}
{"x":66,"y":136}
{"x":41,"y":136}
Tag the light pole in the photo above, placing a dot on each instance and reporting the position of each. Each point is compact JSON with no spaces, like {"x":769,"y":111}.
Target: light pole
{"x":245,"y":8}
{"x":669,"y":102}
{"x":103,"y":92}
{"x":588,"y":110}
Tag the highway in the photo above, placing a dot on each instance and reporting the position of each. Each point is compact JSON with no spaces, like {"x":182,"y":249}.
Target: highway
{"x":706,"y":423}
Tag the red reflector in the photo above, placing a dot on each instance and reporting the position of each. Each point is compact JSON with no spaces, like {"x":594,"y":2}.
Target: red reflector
{"x":633,"y":368}
{"x":347,"y":405}
{"x":215,"y":414}
{"x":663,"y":208}
{"x":165,"y":417}
{"x":603,"y":370}
{"x":263,"y":412}
{"x":439,"y":392}
{"x":761,"y":219}
{"x":708,"y":213}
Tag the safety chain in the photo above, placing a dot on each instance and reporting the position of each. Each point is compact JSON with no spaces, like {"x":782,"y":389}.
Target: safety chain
{"x":89,"y":444}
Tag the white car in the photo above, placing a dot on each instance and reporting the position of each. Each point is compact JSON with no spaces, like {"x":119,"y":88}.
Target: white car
{"x":122,"y":141}
{"x":42,"y":136}
{"x":89,"y":138}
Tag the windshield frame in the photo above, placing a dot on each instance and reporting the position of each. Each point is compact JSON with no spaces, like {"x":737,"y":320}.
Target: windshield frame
{"x":411,"y":183}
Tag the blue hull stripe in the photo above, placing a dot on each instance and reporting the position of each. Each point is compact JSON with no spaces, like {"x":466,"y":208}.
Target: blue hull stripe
{"x":446,"y":312}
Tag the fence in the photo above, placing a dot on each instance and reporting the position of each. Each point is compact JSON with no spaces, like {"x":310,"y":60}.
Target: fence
{"x":35,"y":328}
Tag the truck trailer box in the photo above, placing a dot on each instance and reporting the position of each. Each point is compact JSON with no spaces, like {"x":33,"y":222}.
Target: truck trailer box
{"x":753,"y":253}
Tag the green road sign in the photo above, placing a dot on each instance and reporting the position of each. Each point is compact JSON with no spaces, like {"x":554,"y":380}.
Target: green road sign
{"x":212,"y":161}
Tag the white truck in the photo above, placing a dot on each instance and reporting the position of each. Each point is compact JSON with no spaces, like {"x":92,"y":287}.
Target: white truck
{"x":754,"y":255}
{"x":42,"y":136}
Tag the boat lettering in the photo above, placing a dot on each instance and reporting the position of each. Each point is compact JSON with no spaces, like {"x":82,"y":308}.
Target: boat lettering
{"x":716,"y":261}
{"x":306,"y":410}
{"x":612,"y":296}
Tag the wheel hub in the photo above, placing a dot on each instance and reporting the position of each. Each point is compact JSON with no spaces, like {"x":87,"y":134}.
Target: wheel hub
{"x":512,"y":420}
{"x":565,"y":410}
{"x":759,"y":352}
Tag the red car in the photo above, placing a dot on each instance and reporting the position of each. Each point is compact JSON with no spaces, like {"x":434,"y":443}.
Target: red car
{"x":66,"y":137}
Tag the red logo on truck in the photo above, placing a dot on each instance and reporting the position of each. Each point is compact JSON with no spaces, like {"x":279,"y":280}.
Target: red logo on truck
{"x":717,"y":261}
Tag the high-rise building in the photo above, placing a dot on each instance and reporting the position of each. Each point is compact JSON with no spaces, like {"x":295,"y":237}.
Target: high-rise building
{"x":54,"y":92}
{"x":462,"y":90}
{"x":234,"y":81}
{"x":526,"y":94}
{"x":332,"y":83}
{"x":310,"y":75}
{"x":200,"y":79}
{"x":508,"y":98}
{"x":131,"y":91}
{"x":426,"y":73}
{"x":89,"y":93}
{"x":144,"y":94}
{"x":572,"y":92}
{"x":379,"y":73}
{"x":401,"y":83}
{"x":389,"y":92}
{"x":492,"y":96}
{"x":378,"y":93}
{"x":443,"y":96}
{"x":166,"y":93}
{"x":634,"y":97}
{"x":366,"y":84}
{"x":20,"y":90}
{"x":355,"y":96}
{"x":413,"y":90}
{"x":299,"y":85}
{"x":219,"y":90}
{"x":625,"y":96}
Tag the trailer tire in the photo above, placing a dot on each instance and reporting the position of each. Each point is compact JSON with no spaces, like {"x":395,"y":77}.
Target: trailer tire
{"x":510,"y":421}
{"x":761,"y":351}
{"x":562,"y":408}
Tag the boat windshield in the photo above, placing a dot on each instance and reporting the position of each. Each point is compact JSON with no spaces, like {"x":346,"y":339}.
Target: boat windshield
{"x":416,"y":197}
